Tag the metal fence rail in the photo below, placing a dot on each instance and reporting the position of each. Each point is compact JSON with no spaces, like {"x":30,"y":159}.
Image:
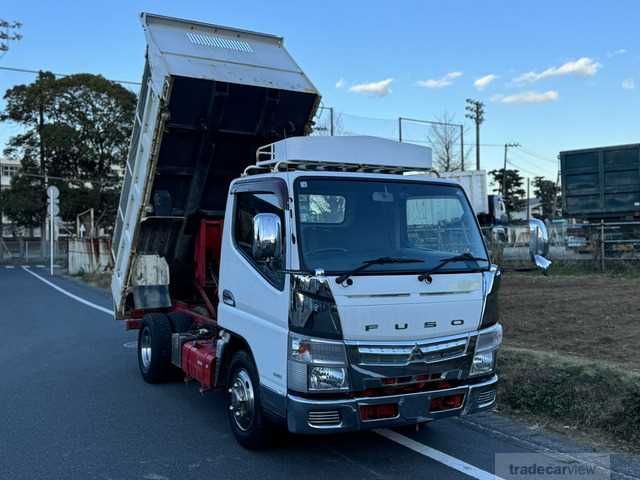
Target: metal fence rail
{"x":32,"y":251}
{"x":598,"y":243}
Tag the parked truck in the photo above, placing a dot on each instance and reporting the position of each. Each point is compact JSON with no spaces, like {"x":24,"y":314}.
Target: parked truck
{"x":601,"y":183}
{"x":490,"y":209}
{"x":307,"y":278}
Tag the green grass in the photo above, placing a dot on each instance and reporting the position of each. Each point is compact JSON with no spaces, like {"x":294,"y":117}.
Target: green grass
{"x":590,"y":396}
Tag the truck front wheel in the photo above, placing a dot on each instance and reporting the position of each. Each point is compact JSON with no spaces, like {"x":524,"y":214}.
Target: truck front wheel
{"x":244,"y":408}
{"x":154,"y":348}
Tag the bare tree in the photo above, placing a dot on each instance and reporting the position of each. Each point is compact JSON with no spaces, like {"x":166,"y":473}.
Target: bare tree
{"x":444,"y":139}
{"x":323,"y":126}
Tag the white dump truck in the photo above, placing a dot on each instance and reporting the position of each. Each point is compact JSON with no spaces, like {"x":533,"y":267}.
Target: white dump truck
{"x":307,"y":278}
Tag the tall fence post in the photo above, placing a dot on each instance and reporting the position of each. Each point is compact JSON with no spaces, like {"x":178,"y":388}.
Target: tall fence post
{"x":400,"y":129}
{"x":331,"y":127}
{"x":602,"y":245}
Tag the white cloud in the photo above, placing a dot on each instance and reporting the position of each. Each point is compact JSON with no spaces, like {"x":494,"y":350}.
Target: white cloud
{"x":615,"y":53}
{"x":527,"y":97}
{"x":378,"y":89}
{"x":483,"y":82}
{"x":340,"y":83}
{"x":629,"y":84}
{"x":584,"y":66}
{"x":439,"y":82}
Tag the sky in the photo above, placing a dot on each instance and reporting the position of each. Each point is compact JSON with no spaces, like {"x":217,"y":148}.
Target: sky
{"x":554,"y":75}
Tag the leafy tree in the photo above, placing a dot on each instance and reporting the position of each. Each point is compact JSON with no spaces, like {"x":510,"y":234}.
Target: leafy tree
{"x":76,"y":132}
{"x":547,"y":191}
{"x":514,"y":194}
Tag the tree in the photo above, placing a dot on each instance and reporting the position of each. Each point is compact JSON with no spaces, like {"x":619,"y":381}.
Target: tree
{"x":444,"y":139}
{"x":322,"y":127}
{"x":547,"y":191}
{"x":76,"y":133}
{"x":514,"y":194}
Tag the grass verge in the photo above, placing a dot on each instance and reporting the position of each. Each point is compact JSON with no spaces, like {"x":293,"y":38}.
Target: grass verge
{"x":587,"y":396}
{"x":99,"y":280}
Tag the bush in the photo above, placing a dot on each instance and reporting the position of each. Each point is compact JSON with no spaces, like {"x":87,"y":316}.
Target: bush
{"x":587,"y":394}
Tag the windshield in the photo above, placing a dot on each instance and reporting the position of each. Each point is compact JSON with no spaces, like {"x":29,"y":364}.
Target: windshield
{"x":345,"y":222}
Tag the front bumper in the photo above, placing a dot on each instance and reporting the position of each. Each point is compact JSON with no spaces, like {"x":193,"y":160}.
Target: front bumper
{"x":315,"y":416}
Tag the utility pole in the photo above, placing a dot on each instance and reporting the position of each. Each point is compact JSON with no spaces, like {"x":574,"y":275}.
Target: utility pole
{"x":504,"y":170}
{"x":528,"y":199}
{"x":8,"y":34}
{"x":462,"y":147}
{"x":475,"y":109}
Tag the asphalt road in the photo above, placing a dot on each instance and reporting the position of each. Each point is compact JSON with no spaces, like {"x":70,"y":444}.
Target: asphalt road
{"x":73,"y":405}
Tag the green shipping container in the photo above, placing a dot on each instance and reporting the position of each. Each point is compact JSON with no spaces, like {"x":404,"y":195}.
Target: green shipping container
{"x":601,"y":183}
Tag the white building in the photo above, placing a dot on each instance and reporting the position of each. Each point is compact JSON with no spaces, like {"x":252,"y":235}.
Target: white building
{"x":8,"y":169}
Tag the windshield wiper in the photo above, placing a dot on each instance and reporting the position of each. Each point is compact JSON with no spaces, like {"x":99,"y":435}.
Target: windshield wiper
{"x":463,"y":257}
{"x":376,"y":261}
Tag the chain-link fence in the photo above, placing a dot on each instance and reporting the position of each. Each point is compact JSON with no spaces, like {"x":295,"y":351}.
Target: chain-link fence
{"x":33,"y":251}
{"x":600,"y":244}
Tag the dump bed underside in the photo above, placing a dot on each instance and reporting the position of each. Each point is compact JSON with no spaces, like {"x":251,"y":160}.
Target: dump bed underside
{"x":210,"y":97}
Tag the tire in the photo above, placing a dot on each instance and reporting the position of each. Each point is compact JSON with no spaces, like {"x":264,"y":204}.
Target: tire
{"x":246,"y":418}
{"x":154,"y":348}
{"x":180,"y":322}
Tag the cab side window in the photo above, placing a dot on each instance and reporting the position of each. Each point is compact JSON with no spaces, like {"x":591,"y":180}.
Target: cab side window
{"x":247,"y":206}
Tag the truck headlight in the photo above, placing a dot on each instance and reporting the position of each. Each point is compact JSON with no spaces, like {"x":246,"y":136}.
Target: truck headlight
{"x":316,"y":364}
{"x":483,"y":363}
{"x":327,"y":378}
{"x":484,"y":358}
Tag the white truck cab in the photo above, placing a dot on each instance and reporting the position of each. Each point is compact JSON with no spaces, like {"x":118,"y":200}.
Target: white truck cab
{"x":323,"y":283}
{"x":325,"y":273}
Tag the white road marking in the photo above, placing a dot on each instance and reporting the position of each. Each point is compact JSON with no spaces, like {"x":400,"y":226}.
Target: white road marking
{"x":437,"y":455}
{"x":69,"y":294}
{"x":9,"y":267}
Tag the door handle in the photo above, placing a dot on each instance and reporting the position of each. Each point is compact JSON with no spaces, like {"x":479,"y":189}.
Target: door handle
{"x":227,"y":298}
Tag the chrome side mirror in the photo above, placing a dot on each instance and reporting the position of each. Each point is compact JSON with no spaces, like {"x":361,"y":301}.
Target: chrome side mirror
{"x":267,"y":237}
{"x":539,"y":243}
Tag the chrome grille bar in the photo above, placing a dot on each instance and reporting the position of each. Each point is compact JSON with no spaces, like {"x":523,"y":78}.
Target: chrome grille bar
{"x":420,"y":352}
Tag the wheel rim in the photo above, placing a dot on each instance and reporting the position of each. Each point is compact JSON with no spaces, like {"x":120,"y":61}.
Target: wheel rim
{"x":145,"y":348}
{"x":242,"y":400}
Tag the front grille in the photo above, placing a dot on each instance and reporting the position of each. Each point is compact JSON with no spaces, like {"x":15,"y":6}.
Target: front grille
{"x":485,"y":398}
{"x":406,"y":354}
{"x":324,"y":418}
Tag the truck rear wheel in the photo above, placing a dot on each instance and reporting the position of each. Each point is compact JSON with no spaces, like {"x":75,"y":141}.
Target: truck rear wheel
{"x":244,"y":407}
{"x":154,"y":348}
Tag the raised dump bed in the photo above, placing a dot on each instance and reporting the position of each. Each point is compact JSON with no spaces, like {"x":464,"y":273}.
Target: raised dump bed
{"x":210,"y":97}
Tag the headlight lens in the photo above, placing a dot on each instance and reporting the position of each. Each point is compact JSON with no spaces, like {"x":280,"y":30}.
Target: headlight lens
{"x":484,"y":359}
{"x":327,"y":378}
{"x":483,"y":363}
{"x":316,"y":364}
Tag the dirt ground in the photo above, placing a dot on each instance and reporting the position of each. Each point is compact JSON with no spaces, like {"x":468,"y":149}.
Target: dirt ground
{"x":590,"y":316}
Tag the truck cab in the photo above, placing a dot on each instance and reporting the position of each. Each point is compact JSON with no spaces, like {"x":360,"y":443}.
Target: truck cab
{"x":326,"y":284}
{"x":325,"y":272}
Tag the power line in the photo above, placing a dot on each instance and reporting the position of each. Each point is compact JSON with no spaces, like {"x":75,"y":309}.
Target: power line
{"x":26,"y":70}
{"x":538,"y":156}
{"x":522,"y":169}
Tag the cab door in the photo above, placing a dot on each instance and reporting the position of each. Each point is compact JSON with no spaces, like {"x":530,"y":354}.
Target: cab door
{"x":254,"y":296}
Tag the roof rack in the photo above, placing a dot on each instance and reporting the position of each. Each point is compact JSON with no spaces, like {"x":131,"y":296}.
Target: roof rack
{"x":292,"y":165}
{"x":328,"y":154}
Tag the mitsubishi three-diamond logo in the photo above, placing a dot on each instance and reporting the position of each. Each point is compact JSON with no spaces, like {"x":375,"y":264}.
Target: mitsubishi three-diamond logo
{"x":416,"y":354}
